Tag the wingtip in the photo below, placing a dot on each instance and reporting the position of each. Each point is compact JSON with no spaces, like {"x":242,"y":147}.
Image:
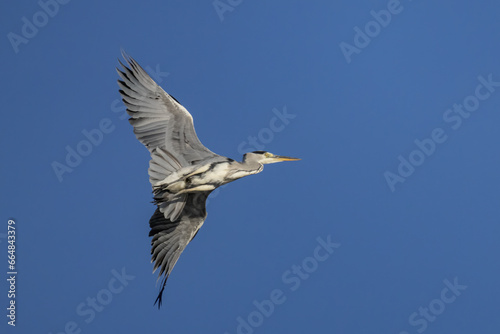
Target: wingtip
{"x":160,"y":295}
{"x":158,"y":301}
{"x":129,"y":60}
{"x":124,"y":54}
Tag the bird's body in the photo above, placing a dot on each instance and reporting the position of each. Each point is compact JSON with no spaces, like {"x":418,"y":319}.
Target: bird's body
{"x":207,"y":175}
{"x":182,"y":171}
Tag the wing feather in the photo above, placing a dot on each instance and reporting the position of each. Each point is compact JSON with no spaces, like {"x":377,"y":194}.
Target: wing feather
{"x":166,"y":128}
{"x":147,"y":104}
{"x":170,"y":238}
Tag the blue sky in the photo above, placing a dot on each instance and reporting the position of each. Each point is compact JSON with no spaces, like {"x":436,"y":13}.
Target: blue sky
{"x":389,"y":224}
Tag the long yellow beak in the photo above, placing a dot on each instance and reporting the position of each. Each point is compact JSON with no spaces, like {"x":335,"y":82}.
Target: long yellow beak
{"x":283,"y":158}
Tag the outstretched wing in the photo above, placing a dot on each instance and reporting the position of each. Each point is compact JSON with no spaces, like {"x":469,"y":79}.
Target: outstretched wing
{"x":170,"y":238}
{"x":158,"y":119}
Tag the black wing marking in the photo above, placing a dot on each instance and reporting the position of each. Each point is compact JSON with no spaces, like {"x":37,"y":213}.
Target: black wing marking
{"x":170,"y":238}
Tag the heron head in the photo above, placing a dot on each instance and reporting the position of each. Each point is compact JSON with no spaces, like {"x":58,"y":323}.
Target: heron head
{"x":264,"y":157}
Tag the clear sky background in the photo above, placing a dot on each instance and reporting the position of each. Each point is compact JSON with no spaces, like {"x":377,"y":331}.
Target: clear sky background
{"x":356,"y":97}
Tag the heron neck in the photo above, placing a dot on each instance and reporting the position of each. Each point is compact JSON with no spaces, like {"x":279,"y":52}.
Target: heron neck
{"x":250,"y":166}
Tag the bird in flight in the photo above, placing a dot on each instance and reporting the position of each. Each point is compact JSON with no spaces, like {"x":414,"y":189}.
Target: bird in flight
{"x":182,"y":171}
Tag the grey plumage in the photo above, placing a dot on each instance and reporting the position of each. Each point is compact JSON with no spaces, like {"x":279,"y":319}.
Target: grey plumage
{"x":182,"y":171}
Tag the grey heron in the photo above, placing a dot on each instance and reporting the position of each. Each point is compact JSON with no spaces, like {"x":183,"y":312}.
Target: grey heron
{"x":182,"y":171}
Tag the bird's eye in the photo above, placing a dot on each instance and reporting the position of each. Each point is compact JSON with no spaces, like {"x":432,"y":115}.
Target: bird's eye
{"x":268,"y":155}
